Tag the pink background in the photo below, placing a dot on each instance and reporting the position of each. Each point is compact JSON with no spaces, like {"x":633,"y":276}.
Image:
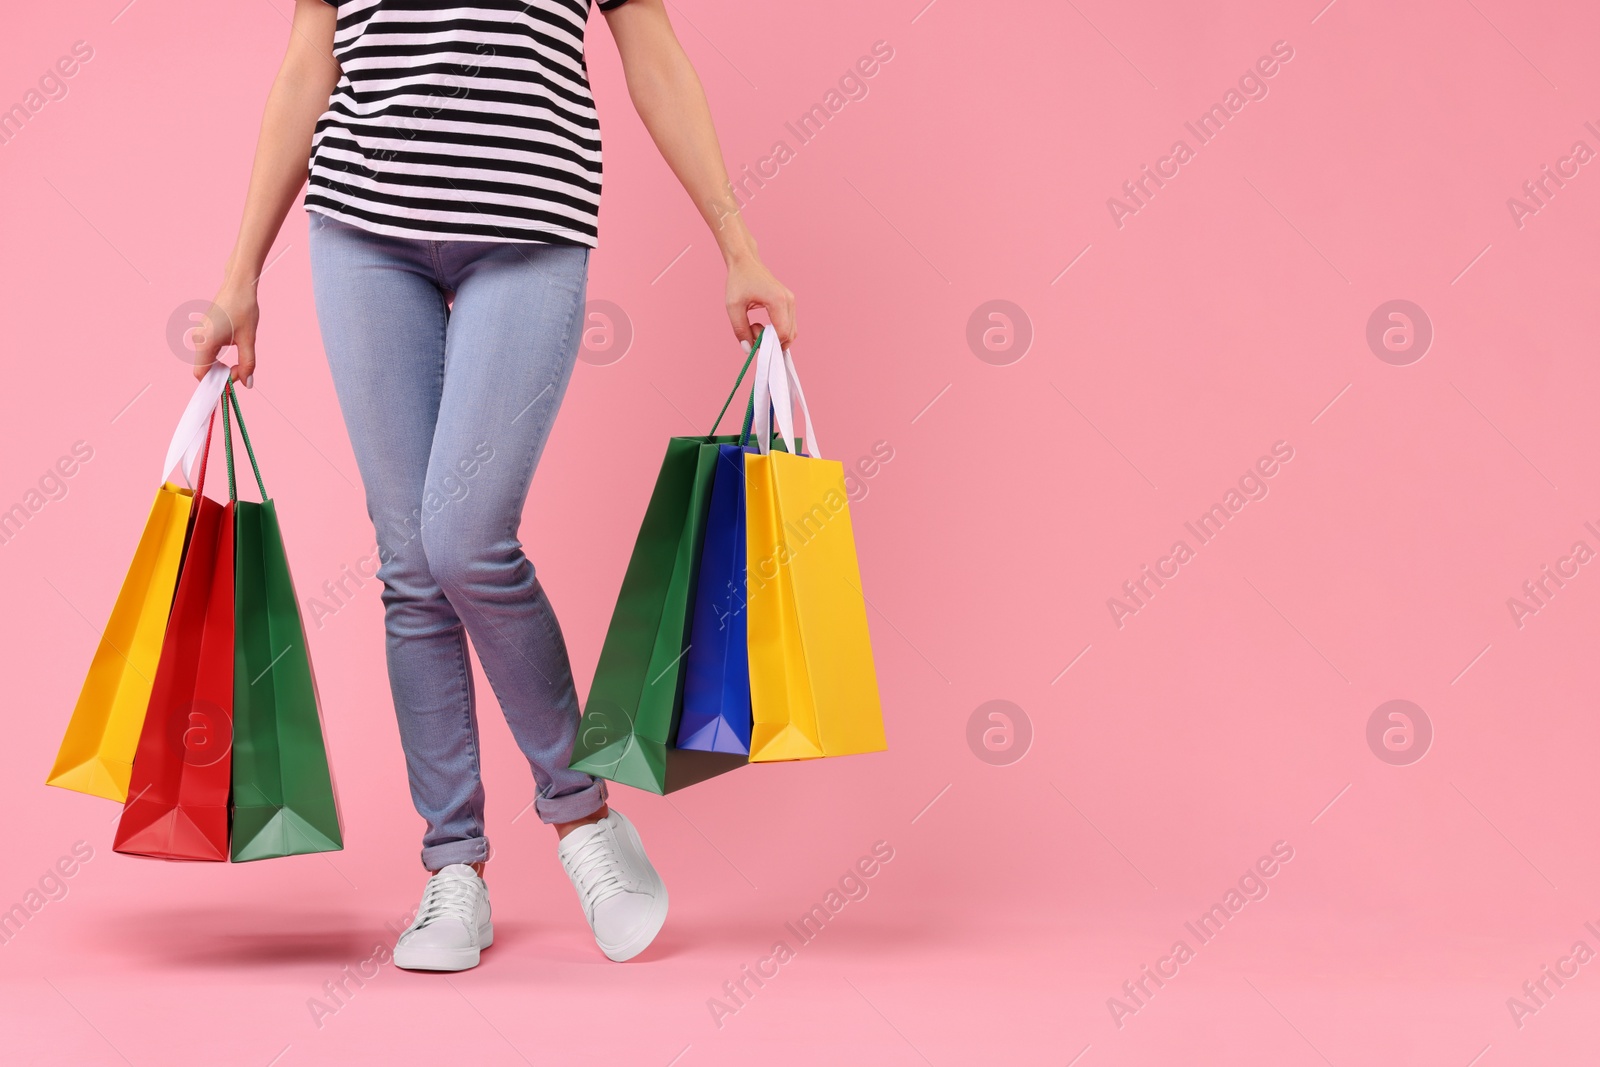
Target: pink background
{"x":1228,"y":714}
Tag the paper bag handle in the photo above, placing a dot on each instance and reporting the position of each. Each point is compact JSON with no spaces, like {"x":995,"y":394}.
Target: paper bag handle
{"x":775,"y":372}
{"x":188,"y":440}
{"x":731,"y":394}
{"x":230,"y":396}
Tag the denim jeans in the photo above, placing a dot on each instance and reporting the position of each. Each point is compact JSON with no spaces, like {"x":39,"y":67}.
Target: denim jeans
{"x":450,"y":359}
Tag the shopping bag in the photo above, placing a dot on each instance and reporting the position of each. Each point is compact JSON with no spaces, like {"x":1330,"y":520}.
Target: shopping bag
{"x":630,"y":721}
{"x":813,"y":688}
{"x":177,"y":806}
{"x":716,"y":686}
{"x":283,"y":793}
{"x":96,"y":754}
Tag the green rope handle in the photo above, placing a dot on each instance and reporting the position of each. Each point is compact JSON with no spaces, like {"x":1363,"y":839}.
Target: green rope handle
{"x":227,"y":449}
{"x":749,"y":421}
{"x":736,"y":382}
{"x":232,"y":397}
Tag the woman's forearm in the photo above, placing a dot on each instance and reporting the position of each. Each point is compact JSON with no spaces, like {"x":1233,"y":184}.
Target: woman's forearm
{"x":283,"y":150}
{"x":672,"y":104}
{"x":667,"y":93}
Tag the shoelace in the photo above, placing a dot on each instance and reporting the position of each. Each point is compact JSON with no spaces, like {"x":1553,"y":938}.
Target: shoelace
{"x":452,"y":897}
{"x":596,"y":868}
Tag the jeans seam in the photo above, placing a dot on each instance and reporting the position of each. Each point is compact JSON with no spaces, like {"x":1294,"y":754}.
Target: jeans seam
{"x":546,"y":615}
{"x":438,"y":265}
{"x":515,"y":521}
{"x":471,"y":718}
{"x":444,"y":347}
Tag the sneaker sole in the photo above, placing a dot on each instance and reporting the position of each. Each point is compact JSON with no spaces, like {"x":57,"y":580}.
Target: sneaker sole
{"x":436,"y":959}
{"x":653,"y":922}
{"x":647,"y":934}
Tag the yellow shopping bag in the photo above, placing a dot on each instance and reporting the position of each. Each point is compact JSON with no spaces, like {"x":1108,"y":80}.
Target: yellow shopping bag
{"x":96,"y":755}
{"x":813,"y":687}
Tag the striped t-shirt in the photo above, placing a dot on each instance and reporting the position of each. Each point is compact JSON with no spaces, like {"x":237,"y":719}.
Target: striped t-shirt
{"x":461,"y":121}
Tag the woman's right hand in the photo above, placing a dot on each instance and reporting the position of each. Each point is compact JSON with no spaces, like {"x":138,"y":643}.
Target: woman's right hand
{"x":231,"y":320}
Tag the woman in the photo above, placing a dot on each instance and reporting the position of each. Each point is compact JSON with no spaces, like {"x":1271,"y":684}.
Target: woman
{"x":454,"y":162}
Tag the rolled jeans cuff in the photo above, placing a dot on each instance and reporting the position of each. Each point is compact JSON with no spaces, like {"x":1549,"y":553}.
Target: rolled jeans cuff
{"x":471,"y":850}
{"x":570,"y":807}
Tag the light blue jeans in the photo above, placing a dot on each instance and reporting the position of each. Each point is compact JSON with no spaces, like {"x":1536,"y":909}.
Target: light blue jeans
{"x":450,"y":359}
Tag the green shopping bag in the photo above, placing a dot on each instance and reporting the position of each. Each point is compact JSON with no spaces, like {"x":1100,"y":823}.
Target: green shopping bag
{"x":283,"y":796}
{"x":631,"y":717}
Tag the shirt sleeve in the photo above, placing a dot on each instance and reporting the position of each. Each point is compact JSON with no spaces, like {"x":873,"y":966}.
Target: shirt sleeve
{"x":611,"y":5}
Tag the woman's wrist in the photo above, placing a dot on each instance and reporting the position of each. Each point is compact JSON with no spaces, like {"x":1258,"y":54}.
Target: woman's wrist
{"x":736,"y":242}
{"x":240,"y":272}
{"x":248,"y":256}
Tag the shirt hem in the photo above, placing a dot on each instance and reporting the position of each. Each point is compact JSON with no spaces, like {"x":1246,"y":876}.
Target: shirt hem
{"x":545,"y":235}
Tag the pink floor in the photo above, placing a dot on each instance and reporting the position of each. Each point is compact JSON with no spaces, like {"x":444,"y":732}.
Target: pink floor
{"x":1149,"y":356}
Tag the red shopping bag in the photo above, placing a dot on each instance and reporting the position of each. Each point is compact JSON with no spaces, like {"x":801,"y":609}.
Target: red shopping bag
{"x":177,"y":805}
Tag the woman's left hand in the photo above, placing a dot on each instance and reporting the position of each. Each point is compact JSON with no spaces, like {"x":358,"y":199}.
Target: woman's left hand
{"x":751,"y":285}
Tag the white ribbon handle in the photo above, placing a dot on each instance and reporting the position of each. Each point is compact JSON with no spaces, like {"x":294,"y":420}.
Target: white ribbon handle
{"x":775,"y":372}
{"x":813,"y":449}
{"x":190,"y":438}
{"x":766,"y":357}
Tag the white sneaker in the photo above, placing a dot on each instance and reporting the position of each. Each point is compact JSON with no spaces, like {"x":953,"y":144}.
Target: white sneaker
{"x":452,"y":924}
{"x":622,"y":895}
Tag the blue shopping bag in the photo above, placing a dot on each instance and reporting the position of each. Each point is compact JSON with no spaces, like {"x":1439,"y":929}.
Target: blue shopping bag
{"x":716,"y":713}
{"x":716,"y":687}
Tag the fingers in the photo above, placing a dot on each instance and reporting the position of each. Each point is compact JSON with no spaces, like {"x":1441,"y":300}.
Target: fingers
{"x":205,"y":352}
{"x":245,"y":370}
{"x":210,"y":337}
{"x":781,"y":311}
{"x":739,"y":316}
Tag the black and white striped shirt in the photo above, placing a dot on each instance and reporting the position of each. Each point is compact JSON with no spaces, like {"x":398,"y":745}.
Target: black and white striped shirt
{"x":461,"y":121}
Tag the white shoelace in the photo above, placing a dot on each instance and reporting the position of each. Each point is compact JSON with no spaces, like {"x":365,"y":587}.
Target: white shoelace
{"x":596,"y":867}
{"x":448,"y":896}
